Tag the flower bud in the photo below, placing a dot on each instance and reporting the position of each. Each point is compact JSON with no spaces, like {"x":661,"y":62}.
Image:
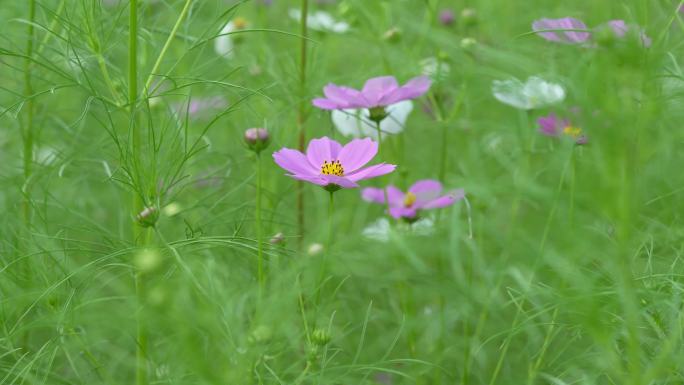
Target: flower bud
{"x":447,"y":17}
{"x":148,"y":217}
{"x":147,"y":260}
{"x":257,"y":139}
{"x":320,"y":337}
{"x":277,"y":239}
{"x":392,"y":35}
{"x":469,"y":17}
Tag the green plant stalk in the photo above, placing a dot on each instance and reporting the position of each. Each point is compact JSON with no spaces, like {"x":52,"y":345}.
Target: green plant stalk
{"x":327,"y":252}
{"x":301,"y":115}
{"x":166,"y":46}
{"x":27,"y":134}
{"x":259,"y":233}
{"x":141,"y":375}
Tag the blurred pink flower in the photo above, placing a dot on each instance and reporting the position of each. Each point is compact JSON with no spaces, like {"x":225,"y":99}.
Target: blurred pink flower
{"x":551,"y":125}
{"x":423,"y":195}
{"x":566,"y":30}
{"x":376,"y":93}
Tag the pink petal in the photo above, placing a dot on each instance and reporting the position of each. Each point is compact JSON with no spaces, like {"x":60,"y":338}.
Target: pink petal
{"x":403,"y":212}
{"x":325,"y":104}
{"x":315,"y":179}
{"x":446,"y":200}
{"x":377,"y":195}
{"x":569,"y":37}
{"x":371,"y":172}
{"x":294,"y":162}
{"x":345,"y":97}
{"x":340,"y":181}
{"x":414,"y":88}
{"x":357,"y":153}
{"x":375,"y":88}
{"x":619,"y":27}
{"x":426,"y":190}
{"x":322,"y":150}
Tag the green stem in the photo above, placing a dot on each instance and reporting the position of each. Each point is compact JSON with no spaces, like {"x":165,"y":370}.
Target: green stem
{"x":141,"y":332}
{"x":260,"y":255}
{"x":166,"y":46}
{"x":301,"y":115}
{"x":27,"y":135}
{"x":141,"y":375}
{"x":327,"y":252}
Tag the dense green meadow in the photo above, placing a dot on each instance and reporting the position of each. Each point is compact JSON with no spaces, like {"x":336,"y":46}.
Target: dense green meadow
{"x":142,"y":241}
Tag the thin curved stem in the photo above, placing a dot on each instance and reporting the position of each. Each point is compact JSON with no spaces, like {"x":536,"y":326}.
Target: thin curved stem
{"x":166,"y":46}
{"x":301,"y":115}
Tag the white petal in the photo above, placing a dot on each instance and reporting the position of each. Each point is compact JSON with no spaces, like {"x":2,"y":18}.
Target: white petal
{"x":356,"y":123}
{"x":398,"y":113}
{"x":223,"y":45}
{"x":542,"y":93}
{"x":424,"y":226}
{"x":511,"y":92}
{"x":378,"y":230}
{"x":349,"y":122}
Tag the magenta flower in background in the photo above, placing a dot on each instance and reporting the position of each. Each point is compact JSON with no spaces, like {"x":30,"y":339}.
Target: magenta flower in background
{"x":376,"y":93}
{"x":329,"y":164}
{"x":552,"y":125}
{"x":620,"y":29}
{"x":567,"y":23}
{"x":447,"y":17}
{"x":423,"y":195}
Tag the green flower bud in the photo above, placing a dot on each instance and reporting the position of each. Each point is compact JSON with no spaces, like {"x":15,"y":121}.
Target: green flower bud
{"x":320,"y":337}
{"x":257,"y":139}
{"x":148,"y":217}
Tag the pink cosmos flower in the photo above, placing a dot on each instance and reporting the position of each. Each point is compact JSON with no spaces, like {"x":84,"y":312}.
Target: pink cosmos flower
{"x":376,"y":93}
{"x":331,"y":165}
{"x":551,"y":125}
{"x":567,"y":23}
{"x":620,"y":29}
{"x":423,"y":195}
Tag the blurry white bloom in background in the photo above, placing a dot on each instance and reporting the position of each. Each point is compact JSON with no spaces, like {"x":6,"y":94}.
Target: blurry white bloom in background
{"x":381,"y":229}
{"x":320,"y":21}
{"x":224,"y":44}
{"x":45,"y":155}
{"x":534,"y":93}
{"x":356,"y":122}
{"x":314,"y":249}
{"x":435,"y":68}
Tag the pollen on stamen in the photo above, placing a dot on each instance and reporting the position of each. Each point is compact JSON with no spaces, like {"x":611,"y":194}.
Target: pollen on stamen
{"x":409,"y":199}
{"x":574,"y":132}
{"x":332,"y":168}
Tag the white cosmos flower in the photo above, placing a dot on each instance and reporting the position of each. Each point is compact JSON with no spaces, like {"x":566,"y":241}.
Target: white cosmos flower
{"x":320,"y":21}
{"x":381,"y":229}
{"x":435,"y":68}
{"x":224,"y":44}
{"x":534,"y":93}
{"x":356,"y":122}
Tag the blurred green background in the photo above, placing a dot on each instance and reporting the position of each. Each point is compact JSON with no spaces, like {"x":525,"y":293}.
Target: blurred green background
{"x":571,"y":276}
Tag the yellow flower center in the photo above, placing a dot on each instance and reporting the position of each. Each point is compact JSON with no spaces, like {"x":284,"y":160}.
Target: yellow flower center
{"x":332,"y":168}
{"x":240,"y":23}
{"x":409,"y":199}
{"x":574,"y":132}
